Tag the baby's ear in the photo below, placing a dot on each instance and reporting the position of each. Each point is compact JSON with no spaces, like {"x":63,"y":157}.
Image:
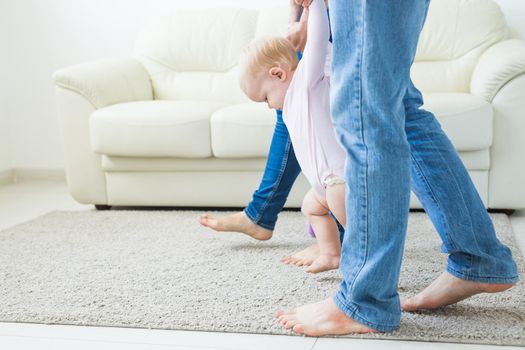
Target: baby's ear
{"x":278,"y":72}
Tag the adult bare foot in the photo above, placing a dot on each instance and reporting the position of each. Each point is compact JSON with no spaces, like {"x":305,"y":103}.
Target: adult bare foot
{"x":324,"y":262}
{"x":238,"y":222}
{"x":304,"y":257}
{"x":448,"y":289}
{"x":321,"y":318}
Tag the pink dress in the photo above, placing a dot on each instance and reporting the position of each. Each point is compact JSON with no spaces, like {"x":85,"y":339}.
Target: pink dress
{"x":306,"y":110}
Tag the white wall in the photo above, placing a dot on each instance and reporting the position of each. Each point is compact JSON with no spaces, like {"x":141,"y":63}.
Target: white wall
{"x":39,"y":37}
{"x":514,"y":11}
{"x":5,"y":139}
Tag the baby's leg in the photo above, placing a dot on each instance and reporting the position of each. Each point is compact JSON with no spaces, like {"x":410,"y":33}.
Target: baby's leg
{"x":335,"y":197}
{"x":316,"y":210}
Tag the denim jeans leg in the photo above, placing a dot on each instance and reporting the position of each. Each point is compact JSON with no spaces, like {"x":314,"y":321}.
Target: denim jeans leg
{"x":373,"y":50}
{"x":282,"y":169}
{"x":447,"y":193}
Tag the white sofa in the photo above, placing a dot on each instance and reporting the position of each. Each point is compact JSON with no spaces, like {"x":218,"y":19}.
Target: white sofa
{"x":169,"y":125}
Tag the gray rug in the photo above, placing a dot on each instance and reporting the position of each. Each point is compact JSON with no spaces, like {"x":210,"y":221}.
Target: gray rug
{"x":160,"y":269}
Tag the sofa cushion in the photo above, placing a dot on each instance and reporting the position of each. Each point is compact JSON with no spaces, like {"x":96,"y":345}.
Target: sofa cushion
{"x":193,"y":54}
{"x":246,"y":130}
{"x":153,"y":129}
{"x":465,"y":118}
{"x":455,"y":35}
{"x":242,"y":131}
{"x":197,"y":129}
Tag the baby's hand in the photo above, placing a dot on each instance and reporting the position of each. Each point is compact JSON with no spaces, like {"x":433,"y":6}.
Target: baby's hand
{"x":303,"y":3}
{"x":297,"y":32}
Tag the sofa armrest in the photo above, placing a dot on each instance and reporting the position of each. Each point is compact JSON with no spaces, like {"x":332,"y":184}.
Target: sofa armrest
{"x":497,"y":66}
{"x":107,"y":82}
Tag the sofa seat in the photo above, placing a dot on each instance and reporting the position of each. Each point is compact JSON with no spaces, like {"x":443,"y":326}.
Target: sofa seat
{"x":153,"y":129}
{"x":164,"y":129}
{"x":465,"y":118}
{"x":242,"y":131}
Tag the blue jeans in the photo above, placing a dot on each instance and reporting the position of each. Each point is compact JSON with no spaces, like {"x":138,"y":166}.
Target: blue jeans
{"x":392,"y":145}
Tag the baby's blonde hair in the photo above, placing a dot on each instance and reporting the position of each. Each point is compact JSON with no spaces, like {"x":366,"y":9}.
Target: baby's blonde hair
{"x":263,"y":53}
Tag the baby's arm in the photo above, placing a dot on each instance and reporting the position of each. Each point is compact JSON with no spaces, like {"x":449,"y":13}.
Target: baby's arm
{"x":295,"y":12}
{"x":318,"y":35}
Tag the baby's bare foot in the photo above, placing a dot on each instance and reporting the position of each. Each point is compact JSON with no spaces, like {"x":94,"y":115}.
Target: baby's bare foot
{"x":324,"y":262}
{"x":448,"y":289}
{"x":304,"y":257}
{"x":322,"y":318}
{"x":238,"y":222}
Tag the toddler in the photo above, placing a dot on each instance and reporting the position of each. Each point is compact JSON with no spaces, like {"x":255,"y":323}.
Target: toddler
{"x":271,"y":73}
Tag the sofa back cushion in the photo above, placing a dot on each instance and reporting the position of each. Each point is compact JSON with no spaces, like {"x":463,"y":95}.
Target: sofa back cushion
{"x":455,"y":34}
{"x":193,"y":54}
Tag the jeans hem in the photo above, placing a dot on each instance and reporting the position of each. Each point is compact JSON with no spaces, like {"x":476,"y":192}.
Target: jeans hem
{"x":351,"y":311}
{"x":483,"y":279}
{"x":268,"y":227}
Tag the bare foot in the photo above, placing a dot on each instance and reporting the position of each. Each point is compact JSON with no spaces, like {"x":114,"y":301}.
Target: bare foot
{"x":448,"y":289}
{"x":303,"y":258}
{"x":324,"y":263}
{"x":238,"y":222}
{"x":321,"y":318}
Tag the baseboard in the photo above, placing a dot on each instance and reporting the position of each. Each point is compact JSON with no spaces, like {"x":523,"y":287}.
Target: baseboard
{"x":39,"y":174}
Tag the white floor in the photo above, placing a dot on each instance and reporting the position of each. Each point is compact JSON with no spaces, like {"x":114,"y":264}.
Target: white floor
{"x":29,"y":199}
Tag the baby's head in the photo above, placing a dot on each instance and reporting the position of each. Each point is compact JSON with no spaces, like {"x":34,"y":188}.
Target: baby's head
{"x":266,"y":70}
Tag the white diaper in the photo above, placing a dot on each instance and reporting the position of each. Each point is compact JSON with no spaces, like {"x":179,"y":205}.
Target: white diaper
{"x":333,"y":180}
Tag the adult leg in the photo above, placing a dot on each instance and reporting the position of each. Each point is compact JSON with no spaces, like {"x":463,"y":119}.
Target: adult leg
{"x":372,"y":53}
{"x":259,"y":217}
{"x":374,"y":77}
{"x":282,"y":169}
{"x":478,"y":262}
